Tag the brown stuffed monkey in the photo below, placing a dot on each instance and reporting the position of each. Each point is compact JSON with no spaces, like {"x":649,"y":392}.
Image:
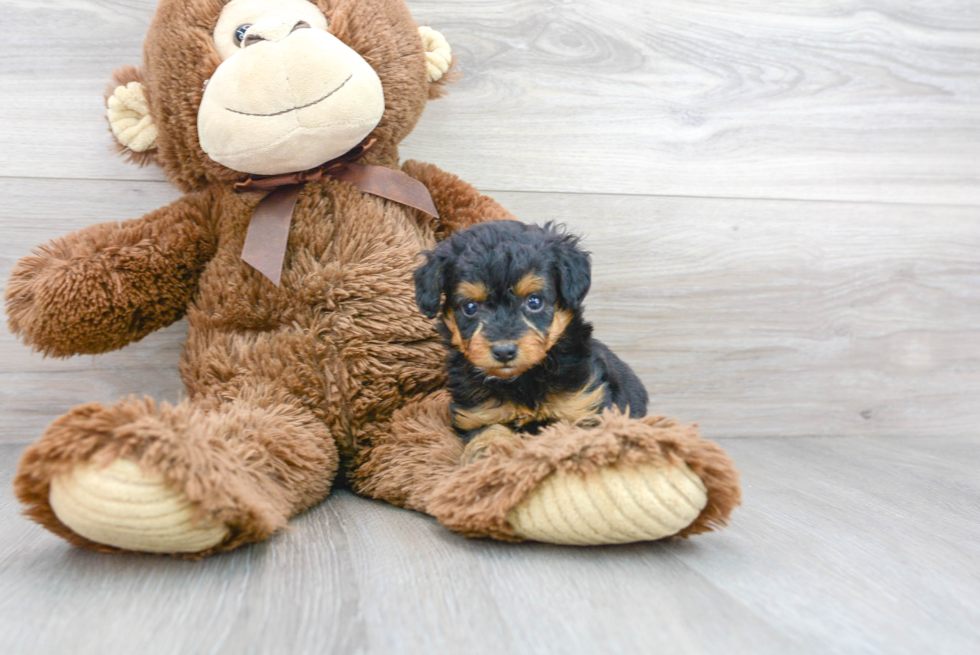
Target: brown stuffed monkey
{"x":291,"y":256}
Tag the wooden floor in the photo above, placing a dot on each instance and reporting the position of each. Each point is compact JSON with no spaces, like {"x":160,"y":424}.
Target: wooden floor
{"x":860,"y":545}
{"x":783,"y":205}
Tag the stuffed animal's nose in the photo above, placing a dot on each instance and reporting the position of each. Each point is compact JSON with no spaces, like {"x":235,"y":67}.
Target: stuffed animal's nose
{"x":504,"y":352}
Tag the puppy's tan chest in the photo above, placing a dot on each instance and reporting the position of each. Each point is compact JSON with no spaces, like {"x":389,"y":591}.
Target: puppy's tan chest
{"x":571,"y":406}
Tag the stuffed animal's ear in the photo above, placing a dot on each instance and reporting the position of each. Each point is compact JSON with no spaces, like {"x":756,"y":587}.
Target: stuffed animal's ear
{"x":128,"y":112}
{"x":428,"y":284}
{"x":439,"y":60}
{"x":574,"y":269}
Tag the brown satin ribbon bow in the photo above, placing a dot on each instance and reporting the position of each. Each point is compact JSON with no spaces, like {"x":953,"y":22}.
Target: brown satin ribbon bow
{"x":268,"y":230}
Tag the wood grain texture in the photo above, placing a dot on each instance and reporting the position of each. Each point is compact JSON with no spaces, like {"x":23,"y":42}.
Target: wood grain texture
{"x":750,"y":317}
{"x":843,"y":545}
{"x":785,"y":318}
{"x":835,"y":99}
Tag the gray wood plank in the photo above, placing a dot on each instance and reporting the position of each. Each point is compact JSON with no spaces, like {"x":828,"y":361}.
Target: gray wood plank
{"x":833,"y":99}
{"x":854,"y":545}
{"x":845,"y":100}
{"x":751,"y":317}
{"x":784,"y":318}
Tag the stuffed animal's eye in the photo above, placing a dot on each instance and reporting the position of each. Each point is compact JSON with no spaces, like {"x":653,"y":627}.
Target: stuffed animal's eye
{"x":240,"y":32}
{"x":534,"y":302}
{"x":470,"y":308}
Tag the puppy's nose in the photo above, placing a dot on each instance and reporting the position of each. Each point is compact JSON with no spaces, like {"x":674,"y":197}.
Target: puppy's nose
{"x":504,"y":353}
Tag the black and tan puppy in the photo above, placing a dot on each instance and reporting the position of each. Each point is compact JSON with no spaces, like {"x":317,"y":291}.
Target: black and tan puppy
{"x":509,"y":297}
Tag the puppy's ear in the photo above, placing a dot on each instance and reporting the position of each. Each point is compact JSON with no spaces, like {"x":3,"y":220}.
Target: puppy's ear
{"x":428,"y":284}
{"x":574,"y":269}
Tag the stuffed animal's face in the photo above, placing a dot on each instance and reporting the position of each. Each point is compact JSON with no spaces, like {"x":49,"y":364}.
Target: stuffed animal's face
{"x":288,"y":95}
{"x":266,"y":87}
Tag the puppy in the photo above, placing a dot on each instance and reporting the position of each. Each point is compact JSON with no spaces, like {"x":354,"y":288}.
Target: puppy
{"x":509,"y":299}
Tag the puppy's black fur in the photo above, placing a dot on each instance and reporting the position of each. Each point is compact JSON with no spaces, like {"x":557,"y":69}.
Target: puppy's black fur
{"x":509,"y":297}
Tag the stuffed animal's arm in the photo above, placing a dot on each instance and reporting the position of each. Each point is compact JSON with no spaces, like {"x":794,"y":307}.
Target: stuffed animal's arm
{"x":107,"y":285}
{"x":460,"y":205}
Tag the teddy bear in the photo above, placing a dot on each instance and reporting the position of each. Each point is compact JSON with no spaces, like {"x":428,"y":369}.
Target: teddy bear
{"x":307,"y":363}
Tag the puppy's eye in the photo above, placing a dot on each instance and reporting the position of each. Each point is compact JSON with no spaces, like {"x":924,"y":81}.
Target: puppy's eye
{"x":470,"y":308}
{"x":534,"y":303}
{"x":240,"y":32}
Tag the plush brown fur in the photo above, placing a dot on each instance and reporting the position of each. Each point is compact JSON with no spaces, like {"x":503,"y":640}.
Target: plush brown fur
{"x":333,"y":370}
{"x":100,"y":288}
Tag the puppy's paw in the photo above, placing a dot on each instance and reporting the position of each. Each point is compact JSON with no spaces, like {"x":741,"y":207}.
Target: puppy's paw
{"x":495,"y":438}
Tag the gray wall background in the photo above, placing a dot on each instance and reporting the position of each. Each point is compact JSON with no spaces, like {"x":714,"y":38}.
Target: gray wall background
{"x":781,"y":197}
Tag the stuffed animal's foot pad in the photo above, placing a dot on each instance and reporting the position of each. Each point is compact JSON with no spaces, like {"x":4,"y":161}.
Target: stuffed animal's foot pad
{"x":123,"y":506}
{"x":613,"y":505}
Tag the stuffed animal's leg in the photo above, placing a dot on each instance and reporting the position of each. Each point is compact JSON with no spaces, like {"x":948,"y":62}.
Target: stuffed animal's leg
{"x":402,"y":461}
{"x":619,"y":481}
{"x":195,"y":478}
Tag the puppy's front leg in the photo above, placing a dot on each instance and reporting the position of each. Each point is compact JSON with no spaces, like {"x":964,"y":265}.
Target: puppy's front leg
{"x":483,"y":442}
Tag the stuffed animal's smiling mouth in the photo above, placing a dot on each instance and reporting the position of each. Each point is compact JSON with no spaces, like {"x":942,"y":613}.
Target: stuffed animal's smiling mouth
{"x":286,"y":111}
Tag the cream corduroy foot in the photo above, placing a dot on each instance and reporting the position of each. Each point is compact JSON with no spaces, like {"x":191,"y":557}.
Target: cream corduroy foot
{"x":615,"y":505}
{"x":122,"y":506}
